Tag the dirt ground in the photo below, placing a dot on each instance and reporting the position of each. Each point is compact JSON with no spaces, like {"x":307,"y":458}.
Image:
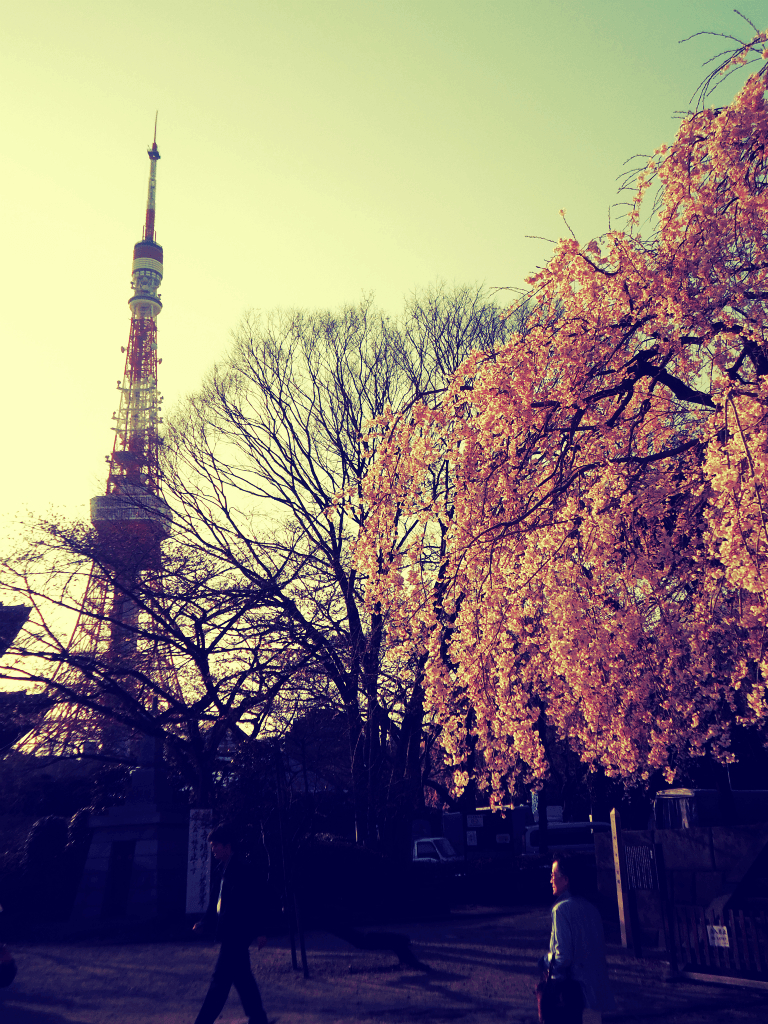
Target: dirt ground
{"x":482,"y":969}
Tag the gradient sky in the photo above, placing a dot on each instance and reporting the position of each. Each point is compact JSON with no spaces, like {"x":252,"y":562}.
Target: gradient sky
{"x":312,"y":151}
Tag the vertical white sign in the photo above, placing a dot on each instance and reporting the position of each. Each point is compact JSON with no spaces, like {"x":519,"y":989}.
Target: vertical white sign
{"x":199,"y":860}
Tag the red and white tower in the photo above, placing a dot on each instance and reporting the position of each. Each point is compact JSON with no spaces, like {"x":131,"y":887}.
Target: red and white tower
{"x":130,"y":520}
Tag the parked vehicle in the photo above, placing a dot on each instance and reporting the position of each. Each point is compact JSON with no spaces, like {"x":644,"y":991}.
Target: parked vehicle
{"x":564,"y":836}
{"x":434,"y":850}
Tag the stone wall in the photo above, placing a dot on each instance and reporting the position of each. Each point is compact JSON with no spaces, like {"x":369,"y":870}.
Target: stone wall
{"x":703,"y":867}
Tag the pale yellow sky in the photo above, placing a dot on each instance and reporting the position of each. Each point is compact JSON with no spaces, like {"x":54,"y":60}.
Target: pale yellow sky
{"x":311,"y":151}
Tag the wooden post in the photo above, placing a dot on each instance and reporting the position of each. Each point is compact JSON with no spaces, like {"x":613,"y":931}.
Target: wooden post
{"x":543,"y":824}
{"x":290,"y":914}
{"x":288,"y":901}
{"x":667,"y":911}
{"x":300,"y":927}
{"x":622,"y":888}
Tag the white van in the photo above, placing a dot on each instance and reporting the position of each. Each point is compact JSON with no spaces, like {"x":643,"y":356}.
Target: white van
{"x":434,"y":850}
{"x":564,"y":837}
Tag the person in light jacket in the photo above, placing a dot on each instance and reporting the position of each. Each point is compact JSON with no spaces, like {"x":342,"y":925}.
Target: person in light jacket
{"x":577,"y":944}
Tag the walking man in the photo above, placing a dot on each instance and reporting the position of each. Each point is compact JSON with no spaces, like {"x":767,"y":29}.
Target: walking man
{"x":237,"y":917}
{"x":576,"y":985}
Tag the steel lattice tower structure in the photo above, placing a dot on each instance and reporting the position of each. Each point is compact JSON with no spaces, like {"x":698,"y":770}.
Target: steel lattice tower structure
{"x":130,"y":521}
{"x":131,"y":518}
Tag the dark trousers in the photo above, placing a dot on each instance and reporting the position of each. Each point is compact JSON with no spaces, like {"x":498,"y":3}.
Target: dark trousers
{"x":232,"y":968}
{"x":560,"y":1002}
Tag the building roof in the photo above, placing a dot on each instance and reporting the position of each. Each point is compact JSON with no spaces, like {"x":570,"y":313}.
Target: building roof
{"x":12,"y":618}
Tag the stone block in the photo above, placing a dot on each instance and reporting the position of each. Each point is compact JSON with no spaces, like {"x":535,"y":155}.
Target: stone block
{"x":682,"y":886}
{"x":688,"y":849}
{"x":737,"y":845}
{"x":708,"y":885}
{"x":604,"y":852}
{"x":146,"y":853}
{"x":153,"y":883}
{"x":648,"y":906}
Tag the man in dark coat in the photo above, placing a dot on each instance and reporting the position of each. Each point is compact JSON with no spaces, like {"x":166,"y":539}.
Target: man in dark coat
{"x":236,"y":917}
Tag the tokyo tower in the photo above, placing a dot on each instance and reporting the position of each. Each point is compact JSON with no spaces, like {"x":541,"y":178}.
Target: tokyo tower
{"x":113,"y":663}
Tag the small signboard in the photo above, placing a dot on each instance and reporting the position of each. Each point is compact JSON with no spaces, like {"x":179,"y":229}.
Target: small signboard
{"x":474,"y":821}
{"x":198,"y":860}
{"x":718,"y":935}
{"x":471,"y":838}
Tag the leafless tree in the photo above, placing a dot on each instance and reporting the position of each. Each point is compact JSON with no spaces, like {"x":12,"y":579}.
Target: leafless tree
{"x":197,"y":668}
{"x":263,"y":469}
{"x":259,"y":614}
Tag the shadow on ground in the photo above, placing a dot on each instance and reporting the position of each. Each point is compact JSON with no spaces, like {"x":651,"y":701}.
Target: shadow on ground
{"x":482,"y":969}
{"x":14,"y":1009}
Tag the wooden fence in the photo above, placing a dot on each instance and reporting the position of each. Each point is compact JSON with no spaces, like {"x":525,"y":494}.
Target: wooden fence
{"x":732,"y":947}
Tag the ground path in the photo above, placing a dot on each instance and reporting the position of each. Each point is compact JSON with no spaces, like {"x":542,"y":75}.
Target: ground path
{"x":482,"y":971}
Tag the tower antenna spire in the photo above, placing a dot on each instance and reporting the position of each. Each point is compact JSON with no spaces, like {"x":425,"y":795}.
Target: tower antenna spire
{"x":149,"y":222}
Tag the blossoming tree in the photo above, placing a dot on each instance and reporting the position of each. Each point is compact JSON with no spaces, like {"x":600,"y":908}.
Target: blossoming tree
{"x":574,"y":536}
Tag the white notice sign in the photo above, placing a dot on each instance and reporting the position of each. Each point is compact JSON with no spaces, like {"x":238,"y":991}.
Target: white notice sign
{"x":471,"y":838}
{"x":474,"y":821}
{"x":198,"y":860}
{"x":718,"y":935}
